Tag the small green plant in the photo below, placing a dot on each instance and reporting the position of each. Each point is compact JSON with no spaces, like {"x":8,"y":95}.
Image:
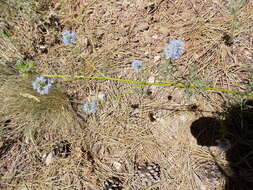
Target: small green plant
{"x":250,"y":84}
{"x":167,"y":69}
{"x":192,"y":79}
{"x":191,"y":82}
{"x":25,"y":67}
{"x":236,"y":5}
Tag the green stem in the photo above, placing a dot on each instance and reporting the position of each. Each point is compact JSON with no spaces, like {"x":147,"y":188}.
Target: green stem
{"x":179,"y":85}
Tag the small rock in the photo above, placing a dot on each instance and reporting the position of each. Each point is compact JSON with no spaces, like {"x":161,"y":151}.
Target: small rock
{"x":101,"y":96}
{"x":117,"y":166}
{"x":84,"y":42}
{"x":27,"y":140}
{"x":155,"y":36}
{"x":49,"y":159}
{"x":126,"y":3}
{"x":90,"y":11}
{"x":44,"y":156}
{"x":151,"y":79}
{"x":157,"y":58}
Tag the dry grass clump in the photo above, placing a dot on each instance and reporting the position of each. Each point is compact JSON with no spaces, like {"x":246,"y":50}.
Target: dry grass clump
{"x":23,"y":104}
{"x":31,"y":125}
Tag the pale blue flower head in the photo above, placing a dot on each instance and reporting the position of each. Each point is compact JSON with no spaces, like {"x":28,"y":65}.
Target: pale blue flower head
{"x":69,"y":37}
{"x":137,"y":65}
{"x":42,"y":85}
{"x":90,"y":107}
{"x":174,"y":49}
{"x":224,"y":144}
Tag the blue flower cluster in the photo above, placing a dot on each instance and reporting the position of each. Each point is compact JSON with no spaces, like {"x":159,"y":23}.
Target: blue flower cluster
{"x":42,"y":85}
{"x":90,"y":107}
{"x":137,"y":65}
{"x":174,"y":49}
{"x":69,"y":37}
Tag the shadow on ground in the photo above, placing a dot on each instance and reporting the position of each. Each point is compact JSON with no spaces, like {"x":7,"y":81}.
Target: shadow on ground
{"x":237,"y":129}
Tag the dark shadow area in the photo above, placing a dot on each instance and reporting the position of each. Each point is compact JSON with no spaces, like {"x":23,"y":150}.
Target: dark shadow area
{"x":237,"y":129}
{"x":206,"y":131}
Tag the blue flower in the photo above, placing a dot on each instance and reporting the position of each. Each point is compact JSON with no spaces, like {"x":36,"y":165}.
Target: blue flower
{"x":136,"y":65}
{"x":224,"y":144}
{"x":69,"y":37}
{"x":42,"y":85}
{"x":174,"y":49}
{"x":90,"y":107}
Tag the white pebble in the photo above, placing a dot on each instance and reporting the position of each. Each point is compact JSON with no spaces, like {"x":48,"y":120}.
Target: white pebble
{"x":151,"y":79}
{"x":117,"y":165}
{"x":49,"y":159}
{"x":157,"y":58}
{"x":155,"y":36}
{"x":101,"y":96}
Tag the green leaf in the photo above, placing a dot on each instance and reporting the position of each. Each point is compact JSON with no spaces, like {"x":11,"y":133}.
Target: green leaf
{"x":77,"y":51}
{"x":25,"y":67}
